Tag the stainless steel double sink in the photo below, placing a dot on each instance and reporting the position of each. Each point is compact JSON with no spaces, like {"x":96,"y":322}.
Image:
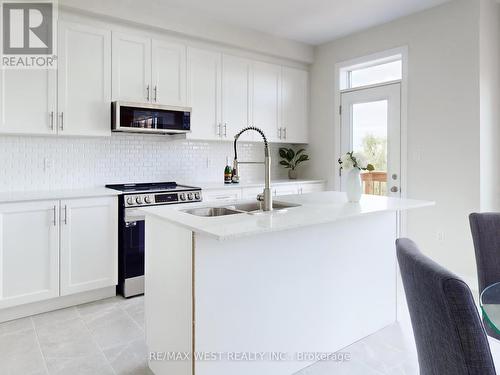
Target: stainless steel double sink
{"x":234,"y":209}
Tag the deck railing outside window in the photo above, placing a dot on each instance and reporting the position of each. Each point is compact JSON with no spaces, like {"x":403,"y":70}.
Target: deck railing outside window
{"x":374,"y":183}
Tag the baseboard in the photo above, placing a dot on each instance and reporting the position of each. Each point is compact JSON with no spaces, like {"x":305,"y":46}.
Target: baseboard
{"x":57,"y":303}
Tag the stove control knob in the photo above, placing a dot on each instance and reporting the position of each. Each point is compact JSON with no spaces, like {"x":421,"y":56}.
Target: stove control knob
{"x":197,"y":195}
{"x":138,"y":200}
{"x":190,"y":196}
{"x":147,"y":199}
{"x":182,"y":196}
{"x":130,"y":201}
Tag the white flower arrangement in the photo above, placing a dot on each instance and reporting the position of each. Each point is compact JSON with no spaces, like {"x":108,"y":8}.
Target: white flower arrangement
{"x":353,"y":160}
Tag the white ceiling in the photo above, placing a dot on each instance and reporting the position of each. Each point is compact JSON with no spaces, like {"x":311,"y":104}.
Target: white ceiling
{"x":308,"y":21}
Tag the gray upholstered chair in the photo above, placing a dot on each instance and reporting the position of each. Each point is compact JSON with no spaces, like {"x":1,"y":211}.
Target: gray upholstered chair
{"x":485,"y":228}
{"x":448,"y":332}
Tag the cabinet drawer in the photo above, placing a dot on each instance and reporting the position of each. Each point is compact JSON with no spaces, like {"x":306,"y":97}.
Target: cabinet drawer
{"x":221,"y":195}
{"x":311,"y":188}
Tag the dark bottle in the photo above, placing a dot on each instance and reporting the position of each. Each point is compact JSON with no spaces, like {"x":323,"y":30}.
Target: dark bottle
{"x":227,"y":173}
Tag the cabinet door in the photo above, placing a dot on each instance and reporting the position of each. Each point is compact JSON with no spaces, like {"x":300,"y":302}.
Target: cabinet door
{"x":266,"y":98}
{"x":89,"y":249}
{"x":28,"y":101}
{"x":131,"y":73}
{"x":236,"y":97}
{"x":295,"y":98}
{"x":29,"y":252}
{"x":84,"y":80}
{"x":204,"y":91}
{"x":169,"y":73}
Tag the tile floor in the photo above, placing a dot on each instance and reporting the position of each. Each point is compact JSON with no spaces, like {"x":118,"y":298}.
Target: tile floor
{"x":107,"y":337}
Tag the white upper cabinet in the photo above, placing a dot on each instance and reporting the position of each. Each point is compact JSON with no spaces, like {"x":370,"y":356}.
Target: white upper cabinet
{"x":266,"y":98}
{"x":29,"y":252}
{"x":84,"y":80}
{"x":88,"y":244}
{"x":131,"y":68}
{"x":204,"y":93}
{"x":236,"y":97}
{"x":295,"y":103}
{"x":169,"y":73}
{"x":28,"y":101}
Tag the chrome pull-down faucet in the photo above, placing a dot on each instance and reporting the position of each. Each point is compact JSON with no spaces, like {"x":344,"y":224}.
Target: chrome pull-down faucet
{"x":266,"y":197}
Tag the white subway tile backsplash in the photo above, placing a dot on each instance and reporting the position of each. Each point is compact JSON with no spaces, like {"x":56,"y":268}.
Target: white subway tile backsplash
{"x":41,"y":163}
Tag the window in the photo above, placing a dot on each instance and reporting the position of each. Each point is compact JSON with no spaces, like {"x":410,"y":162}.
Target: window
{"x":372,"y":73}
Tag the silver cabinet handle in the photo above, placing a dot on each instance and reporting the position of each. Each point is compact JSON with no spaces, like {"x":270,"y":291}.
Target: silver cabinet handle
{"x":147,"y":93}
{"x":62,"y":121}
{"x":156,"y":93}
{"x":51,"y":117}
{"x":394,"y":189}
{"x":284,"y":133}
{"x":65,"y":215}
{"x":279,"y":133}
{"x":218,"y":129}
{"x":54,"y":221}
{"x":225,"y":129}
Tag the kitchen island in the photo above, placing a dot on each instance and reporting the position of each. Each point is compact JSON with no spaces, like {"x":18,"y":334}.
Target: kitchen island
{"x":267,"y":292}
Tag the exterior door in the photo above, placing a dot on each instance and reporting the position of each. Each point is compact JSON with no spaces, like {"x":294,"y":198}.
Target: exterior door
{"x":169,"y":73}
{"x":84,"y":98}
{"x":131,"y":57}
{"x":29,"y":252}
{"x":88,"y":244}
{"x":371,"y":124}
{"x":204,"y":85}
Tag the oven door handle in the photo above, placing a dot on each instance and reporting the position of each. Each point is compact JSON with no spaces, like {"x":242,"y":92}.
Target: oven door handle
{"x":130,"y":224}
{"x":133,"y":215}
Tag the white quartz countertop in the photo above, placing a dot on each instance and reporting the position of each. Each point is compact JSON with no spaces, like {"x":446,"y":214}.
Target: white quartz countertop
{"x":316,"y":208}
{"x":40,"y":195}
{"x":249,"y":184}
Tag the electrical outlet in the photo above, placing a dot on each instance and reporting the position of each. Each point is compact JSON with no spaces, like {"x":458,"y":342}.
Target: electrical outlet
{"x":47,"y":164}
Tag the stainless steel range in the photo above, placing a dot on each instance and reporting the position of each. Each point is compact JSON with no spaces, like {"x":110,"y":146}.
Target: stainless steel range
{"x":131,"y":226}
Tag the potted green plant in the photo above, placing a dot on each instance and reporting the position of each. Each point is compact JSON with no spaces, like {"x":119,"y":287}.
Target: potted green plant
{"x":292,"y":159}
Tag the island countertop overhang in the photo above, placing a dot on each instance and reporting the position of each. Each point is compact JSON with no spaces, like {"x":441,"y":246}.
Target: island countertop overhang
{"x":315,"y":209}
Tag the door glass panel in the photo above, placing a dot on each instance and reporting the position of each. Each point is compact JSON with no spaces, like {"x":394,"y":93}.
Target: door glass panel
{"x":376,"y":74}
{"x":369,"y":136}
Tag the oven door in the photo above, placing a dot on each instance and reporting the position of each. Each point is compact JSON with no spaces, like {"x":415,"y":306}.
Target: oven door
{"x":150,"y":118}
{"x":132,"y":253}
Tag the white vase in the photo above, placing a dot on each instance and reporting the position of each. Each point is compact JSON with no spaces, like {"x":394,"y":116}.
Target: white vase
{"x":354,"y":188}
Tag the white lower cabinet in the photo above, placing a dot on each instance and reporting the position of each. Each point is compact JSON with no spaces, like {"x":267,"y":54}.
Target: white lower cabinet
{"x":56,"y":248}
{"x":89,"y":230}
{"x":311,"y":188}
{"x":29,"y":252}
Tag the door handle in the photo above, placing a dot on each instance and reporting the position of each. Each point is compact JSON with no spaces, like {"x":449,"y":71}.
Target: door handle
{"x":147,"y":93}
{"x":51,"y":116}
{"x":62,"y":121}
{"x":225,"y":129}
{"x":156,"y":93}
{"x":65,"y":215}
{"x":218,"y":129}
{"x":54,"y":219}
{"x":394,"y":189}
{"x":284,"y":132}
{"x":279,"y":133}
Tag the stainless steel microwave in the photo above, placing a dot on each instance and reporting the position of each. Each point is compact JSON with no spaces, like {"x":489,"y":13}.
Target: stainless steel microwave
{"x":150,"y":118}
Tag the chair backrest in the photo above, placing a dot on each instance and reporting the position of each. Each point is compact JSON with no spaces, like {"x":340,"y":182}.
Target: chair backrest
{"x":485,"y":228}
{"x":449,"y":335}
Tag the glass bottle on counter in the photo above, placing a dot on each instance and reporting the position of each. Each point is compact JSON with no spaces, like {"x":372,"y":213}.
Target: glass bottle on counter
{"x":228,"y":172}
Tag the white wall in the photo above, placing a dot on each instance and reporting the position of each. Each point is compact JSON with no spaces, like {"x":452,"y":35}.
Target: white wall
{"x":85,"y":162}
{"x":443,"y":120}
{"x":187,"y":23}
{"x":489,"y":44}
